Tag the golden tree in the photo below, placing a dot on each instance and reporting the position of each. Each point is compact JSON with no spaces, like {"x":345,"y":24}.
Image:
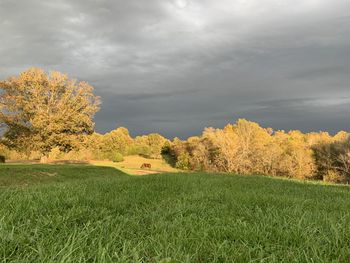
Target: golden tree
{"x":40,"y":111}
{"x":150,"y":145}
{"x":252,"y":146}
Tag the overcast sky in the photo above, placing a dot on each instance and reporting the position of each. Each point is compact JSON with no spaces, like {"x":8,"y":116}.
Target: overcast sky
{"x":177,"y":66}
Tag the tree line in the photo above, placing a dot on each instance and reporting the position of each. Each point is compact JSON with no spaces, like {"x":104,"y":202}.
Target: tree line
{"x":247,"y":148}
{"x":48,"y":114}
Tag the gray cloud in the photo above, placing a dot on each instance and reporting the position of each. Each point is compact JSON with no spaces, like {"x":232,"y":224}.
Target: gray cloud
{"x":176,"y":66}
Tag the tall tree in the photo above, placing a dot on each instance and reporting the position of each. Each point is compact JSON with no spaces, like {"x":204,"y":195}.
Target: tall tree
{"x":40,"y":111}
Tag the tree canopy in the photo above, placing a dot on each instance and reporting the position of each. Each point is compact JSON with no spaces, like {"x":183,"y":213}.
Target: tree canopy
{"x":40,"y":111}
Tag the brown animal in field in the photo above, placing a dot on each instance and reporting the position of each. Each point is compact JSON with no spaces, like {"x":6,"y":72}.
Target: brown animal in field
{"x":146,"y":165}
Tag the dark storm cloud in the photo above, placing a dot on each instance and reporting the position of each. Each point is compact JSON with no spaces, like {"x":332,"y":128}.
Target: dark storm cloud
{"x":176,"y":66}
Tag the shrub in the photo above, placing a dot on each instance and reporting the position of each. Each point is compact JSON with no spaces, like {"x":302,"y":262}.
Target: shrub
{"x":34,"y":155}
{"x":55,"y":154}
{"x":2,"y":159}
{"x":183,"y":161}
{"x":142,"y":150}
{"x":333,"y":161}
{"x":333,"y":177}
{"x":79,"y":155}
{"x":15,"y":155}
{"x":44,"y":159}
{"x":118,"y":157}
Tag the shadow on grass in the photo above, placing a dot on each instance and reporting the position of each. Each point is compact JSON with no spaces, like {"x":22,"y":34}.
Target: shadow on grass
{"x":31,"y":174}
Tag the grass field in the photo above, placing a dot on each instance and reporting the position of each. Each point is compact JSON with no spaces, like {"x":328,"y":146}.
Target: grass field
{"x":77,"y":213}
{"x":131,"y":165}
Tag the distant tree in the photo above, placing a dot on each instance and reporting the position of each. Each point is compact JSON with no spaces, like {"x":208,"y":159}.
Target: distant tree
{"x":333,"y":159}
{"x":314,"y":138}
{"x":247,"y":148}
{"x":296,"y":159}
{"x":179,"y":153}
{"x":40,"y":111}
{"x":341,"y":136}
{"x":201,"y":152}
{"x":116,"y":141}
{"x":150,"y":145}
{"x":252,"y":145}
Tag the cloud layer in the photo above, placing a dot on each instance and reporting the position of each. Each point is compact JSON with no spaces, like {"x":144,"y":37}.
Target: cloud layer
{"x":178,"y":66}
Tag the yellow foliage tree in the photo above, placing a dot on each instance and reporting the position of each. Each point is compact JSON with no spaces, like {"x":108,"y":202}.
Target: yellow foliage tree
{"x":41,"y":111}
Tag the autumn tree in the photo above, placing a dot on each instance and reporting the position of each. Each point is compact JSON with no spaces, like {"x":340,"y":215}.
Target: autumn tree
{"x":296,"y":157}
{"x":201,"y":152}
{"x":222,"y":146}
{"x":247,"y":148}
{"x":116,"y":141}
{"x":150,"y":145}
{"x":176,"y":154}
{"x":252,"y":145}
{"x":333,"y":159}
{"x":40,"y":111}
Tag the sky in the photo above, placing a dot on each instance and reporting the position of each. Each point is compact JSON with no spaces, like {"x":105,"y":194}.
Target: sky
{"x":177,"y":66}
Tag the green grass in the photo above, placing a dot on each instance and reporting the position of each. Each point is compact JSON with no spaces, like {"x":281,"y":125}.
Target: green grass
{"x":98,"y":214}
{"x":26,"y":175}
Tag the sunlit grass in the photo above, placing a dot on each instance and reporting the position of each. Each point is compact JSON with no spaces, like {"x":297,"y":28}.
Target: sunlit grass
{"x":132,"y":165}
{"x":77,"y":213}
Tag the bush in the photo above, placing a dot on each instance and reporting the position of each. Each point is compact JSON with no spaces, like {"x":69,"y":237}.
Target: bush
{"x":118,"y":157}
{"x":141,"y":150}
{"x":183,"y":161}
{"x":80,"y":155}
{"x":55,"y":154}
{"x":333,"y":161}
{"x":2,"y":159}
{"x":44,"y":160}
{"x":34,"y":155}
{"x":333,"y":177}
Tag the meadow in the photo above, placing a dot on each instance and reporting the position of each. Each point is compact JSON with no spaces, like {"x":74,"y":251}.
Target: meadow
{"x":82,"y":213}
{"x":132,"y":163}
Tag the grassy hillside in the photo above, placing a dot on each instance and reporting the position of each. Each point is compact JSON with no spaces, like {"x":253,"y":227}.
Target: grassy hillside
{"x":83,"y":213}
